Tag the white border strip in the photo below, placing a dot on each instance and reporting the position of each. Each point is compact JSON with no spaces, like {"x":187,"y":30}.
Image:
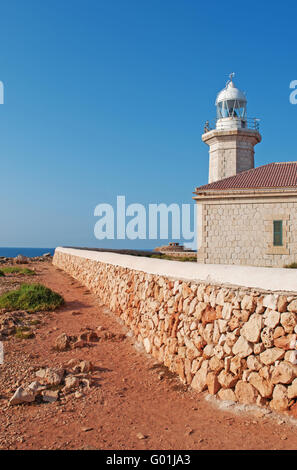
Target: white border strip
{"x":271,"y":279}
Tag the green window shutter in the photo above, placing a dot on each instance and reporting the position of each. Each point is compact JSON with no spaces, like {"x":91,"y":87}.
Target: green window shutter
{"x":277,"y":233}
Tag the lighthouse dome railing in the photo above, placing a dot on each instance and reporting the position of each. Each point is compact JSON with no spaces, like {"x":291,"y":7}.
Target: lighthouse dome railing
{"x":224,"y":124}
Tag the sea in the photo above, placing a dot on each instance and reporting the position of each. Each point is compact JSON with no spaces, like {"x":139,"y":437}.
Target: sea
{"x":11,"y":252}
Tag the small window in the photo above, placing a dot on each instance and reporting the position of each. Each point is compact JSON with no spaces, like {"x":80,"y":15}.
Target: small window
{"x":277,"y":233}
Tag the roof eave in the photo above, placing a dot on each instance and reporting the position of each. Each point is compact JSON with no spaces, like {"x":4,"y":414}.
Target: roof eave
{"x":240,"y":192}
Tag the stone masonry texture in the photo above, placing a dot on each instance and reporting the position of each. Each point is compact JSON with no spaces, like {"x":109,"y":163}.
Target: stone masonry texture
{"x":236,"y":343}
{"x":242,"y":233}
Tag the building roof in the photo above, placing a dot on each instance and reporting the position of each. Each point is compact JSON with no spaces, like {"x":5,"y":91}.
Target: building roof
{"x":273,"y":175}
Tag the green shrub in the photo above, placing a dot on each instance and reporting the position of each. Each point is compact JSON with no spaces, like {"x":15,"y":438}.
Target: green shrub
{"x":291,"y":266}
{"x":24,"y":332}
{"x":17,"y":270}
{"x":32,"y":298}
{"x":1,"y":273}
{"x":174,"y":258}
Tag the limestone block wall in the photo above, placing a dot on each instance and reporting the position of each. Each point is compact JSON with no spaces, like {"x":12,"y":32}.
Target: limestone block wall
{"x":235,"y":342}
{"x":242,"y":233}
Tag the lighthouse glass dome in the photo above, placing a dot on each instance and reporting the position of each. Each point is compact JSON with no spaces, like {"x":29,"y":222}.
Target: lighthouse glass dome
{"x":231,"y":107}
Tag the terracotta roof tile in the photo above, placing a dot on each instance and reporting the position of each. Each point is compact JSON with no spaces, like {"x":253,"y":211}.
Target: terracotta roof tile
{"x":273,"y":175}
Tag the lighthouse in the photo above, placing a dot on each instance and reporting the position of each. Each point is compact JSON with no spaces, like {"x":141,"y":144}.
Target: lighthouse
{"x":233,"y":136}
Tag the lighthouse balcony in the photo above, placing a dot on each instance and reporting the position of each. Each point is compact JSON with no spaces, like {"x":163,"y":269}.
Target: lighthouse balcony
{"x":232,"y":122}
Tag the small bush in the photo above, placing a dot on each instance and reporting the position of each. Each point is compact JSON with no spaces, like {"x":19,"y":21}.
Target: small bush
{"x":291,"y":266}
{"x":1,"y":273}
{"x":17,"y":270}
{"x":32,"y":298}
{"x":24,"y":332}
{"x":173,"y":258}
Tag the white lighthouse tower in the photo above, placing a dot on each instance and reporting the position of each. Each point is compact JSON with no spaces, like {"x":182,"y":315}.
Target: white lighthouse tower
{"x":233,"y":137}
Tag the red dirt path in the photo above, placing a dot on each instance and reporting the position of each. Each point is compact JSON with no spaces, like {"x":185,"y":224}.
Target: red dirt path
{"x":129,"y":397}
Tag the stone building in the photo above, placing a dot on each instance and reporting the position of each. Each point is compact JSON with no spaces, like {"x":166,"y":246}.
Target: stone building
{"x":176,"y":250}
{"x":245,"y":215}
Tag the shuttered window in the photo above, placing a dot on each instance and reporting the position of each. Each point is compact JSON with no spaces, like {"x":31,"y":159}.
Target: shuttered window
{"x":277,"y":233}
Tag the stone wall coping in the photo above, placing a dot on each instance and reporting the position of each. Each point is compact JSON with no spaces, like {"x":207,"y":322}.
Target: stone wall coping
{"x":270,"y":279}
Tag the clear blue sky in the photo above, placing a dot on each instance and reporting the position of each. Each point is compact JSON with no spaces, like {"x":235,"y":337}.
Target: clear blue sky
{"x":107,"y":98}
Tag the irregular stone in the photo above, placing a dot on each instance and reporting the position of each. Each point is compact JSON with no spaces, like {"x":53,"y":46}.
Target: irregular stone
{"x":216,"y":364}
{"x":220,"y":299}
{"x":212,"y":383}
{"x":288,"y":321}
{"x":253,"y":363}
{"x":51,"y":376}
{"x":20,"y":259}
{"x":292,"y":390}
{"x":291,"y":356}
{"x":269,"y":356}
{"x":267,"y":337}
{"x":193,"y":326}
{"x":245,"y":392}
{"x":272,"y":319}
{"x":260,"y":307}
{"x":41,"y":373}
{"x":286,"y":342}
{"x":234,"y":323}
{"x":242,"y":347}
{"x":252,"y":329}
{"x":199,"y":380}
{"x":196,"y":364}
{"x":208,"y":351}
{"x":226,"y":379}
{"x":258,"y":348}
{"x":227,"y":349}
{"x":264,"y":387}
{"x":201,"y":307}
{"x":85,"y":366}
{"x":231,"y":339}
{"x":222,"y":324}
{"x":248,"y":303}
{"x":265,"y":373}
{"x":279,"y":331}
{"x":284,"y":373}
{"x":245,"y":375}
{"x":218,"y":351}
{"x":226,"y":394}
{"x":209,"y":315}
{"x":236,"y":364}
{"x":35,"y":387}
{"x":71,"y":382}
{"x":222,"y":339}
{"x":216,"y":333}
{"x":279,"y":400}
{"x":270,"y":301}
{"x":72,"y":363}
{"x":282,"y":303}
{"x":226,"y":312}
{"x":147,"y":345}
{"x":244,"y":315}
{"x":62,"y":342}
{"x":50,"y":396}
{"x":208,"y":332}
{"x":292,"y":307}
{"x":22,"y":395}
{"x":188,"y":373}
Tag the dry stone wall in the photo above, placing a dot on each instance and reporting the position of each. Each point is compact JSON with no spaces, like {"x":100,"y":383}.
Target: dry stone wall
{"x":238,"y":344}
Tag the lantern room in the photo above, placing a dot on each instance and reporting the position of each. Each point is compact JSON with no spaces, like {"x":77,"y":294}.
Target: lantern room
{"x":231,"y":107}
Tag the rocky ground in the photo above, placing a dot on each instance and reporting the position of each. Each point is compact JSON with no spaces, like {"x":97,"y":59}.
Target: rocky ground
{"x":83,"y":383}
